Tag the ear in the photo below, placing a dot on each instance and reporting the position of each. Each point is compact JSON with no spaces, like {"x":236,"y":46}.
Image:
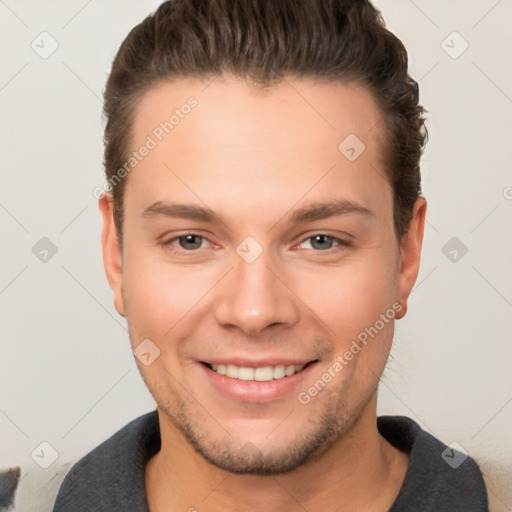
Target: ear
{"x":410,"y":253}
{"x":112,"y":254}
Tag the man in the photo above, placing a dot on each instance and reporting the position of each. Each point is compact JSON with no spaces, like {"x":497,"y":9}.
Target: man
{"x":261,"y":234}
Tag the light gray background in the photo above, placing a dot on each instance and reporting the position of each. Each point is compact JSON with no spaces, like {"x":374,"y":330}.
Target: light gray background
{"x":67,"y":374}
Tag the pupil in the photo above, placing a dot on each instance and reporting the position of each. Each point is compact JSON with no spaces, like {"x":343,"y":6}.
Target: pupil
{"x":321,"y":239}
{"x":188,"y":240}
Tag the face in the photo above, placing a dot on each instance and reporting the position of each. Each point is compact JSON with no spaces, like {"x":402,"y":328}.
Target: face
{"x":257,"y":254}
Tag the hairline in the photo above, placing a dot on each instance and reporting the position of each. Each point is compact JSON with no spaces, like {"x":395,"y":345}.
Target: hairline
{"x":382,"y":135}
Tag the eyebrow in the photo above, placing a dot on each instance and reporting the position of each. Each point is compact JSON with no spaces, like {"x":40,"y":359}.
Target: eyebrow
{"x":183,"y":211}
{"x":312,"y":212}
{"x":317,"y":211}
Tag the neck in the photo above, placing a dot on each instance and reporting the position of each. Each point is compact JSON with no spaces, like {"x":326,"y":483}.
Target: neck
{"x":362,"y":471}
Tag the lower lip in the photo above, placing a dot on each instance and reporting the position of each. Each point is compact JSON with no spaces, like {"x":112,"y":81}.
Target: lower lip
{"x":256,"y":391}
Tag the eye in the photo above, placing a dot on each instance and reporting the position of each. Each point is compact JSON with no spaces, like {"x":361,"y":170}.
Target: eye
{"x":188,"y":242}
{"x":324,"y":242}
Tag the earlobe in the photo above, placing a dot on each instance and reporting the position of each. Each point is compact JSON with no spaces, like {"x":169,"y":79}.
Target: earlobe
{"x":410,"y":254}
{"x":112,"y":254}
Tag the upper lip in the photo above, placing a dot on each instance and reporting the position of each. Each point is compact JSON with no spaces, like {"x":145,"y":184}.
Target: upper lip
{"x":251,"y":363}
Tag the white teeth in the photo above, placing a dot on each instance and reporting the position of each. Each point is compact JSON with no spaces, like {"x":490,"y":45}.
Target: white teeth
{"x":232,"y":371}
{"x":246,"y":373}
{"x":261,"y":374}
{"x":264,"y":373}
{"x":279,"y":371}
{"x":290,"y":370}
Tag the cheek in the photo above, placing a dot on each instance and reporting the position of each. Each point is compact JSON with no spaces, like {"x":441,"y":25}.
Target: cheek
{"x":159,"y":295}
{"x":346,"y":297}
{"x":356,"y":304}
{"x":351,"y":293}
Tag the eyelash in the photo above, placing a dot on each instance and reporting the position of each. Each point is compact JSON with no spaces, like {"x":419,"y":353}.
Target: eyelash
{"x":338,"y":242}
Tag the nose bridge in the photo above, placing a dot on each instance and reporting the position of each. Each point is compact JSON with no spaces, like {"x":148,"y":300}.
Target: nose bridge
{"x":253,"y":298}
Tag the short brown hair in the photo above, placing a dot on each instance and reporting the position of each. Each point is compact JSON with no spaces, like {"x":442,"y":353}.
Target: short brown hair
{"x":264,"y":41}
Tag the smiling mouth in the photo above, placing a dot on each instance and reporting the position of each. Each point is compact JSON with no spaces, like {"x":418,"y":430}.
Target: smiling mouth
{"x":258,"y":374}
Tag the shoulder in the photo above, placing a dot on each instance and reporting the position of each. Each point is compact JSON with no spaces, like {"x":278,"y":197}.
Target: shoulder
{"x":440,"y":477}
{"x":111,"y":476}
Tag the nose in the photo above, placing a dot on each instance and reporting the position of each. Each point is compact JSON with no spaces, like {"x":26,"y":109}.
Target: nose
{"x":256,"y":297}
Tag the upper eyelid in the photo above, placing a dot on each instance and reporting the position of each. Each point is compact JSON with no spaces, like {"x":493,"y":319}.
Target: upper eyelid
{"x":176,"y":237}
{"x":340,"y":240}
{"x":336,"y":238}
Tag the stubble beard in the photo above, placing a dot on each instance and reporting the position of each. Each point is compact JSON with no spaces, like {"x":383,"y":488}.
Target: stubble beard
{"x":241,"y":456}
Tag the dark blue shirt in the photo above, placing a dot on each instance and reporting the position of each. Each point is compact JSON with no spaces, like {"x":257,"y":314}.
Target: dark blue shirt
{"x":111,"y":477}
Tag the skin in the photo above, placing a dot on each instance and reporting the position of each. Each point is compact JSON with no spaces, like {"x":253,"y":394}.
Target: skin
{"x":253,"y":158}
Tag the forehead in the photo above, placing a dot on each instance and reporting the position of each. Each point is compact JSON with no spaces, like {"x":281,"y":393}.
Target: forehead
{"x":318,"y":110}
{"x":227,"y":135}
